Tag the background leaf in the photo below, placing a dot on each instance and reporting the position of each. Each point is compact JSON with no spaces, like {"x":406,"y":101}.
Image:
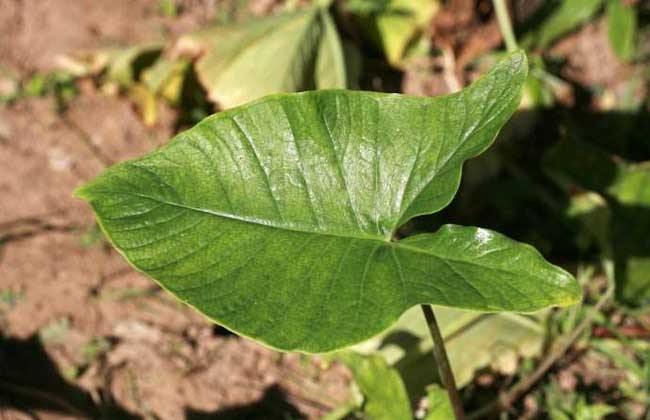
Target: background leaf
{"x":393,"y":25}
{"x":566,"y":16}
{"x":383,"y":390}
{"x":289,"y":52}
{"x":330,"y":62}
{"x":624,"y":187}
{"x":439,"y":405}
{"x":125,"y":65}
{"x":621,"y":27}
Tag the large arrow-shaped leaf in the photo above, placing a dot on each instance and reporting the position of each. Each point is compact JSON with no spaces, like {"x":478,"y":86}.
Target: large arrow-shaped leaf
{"x":276,"y":219}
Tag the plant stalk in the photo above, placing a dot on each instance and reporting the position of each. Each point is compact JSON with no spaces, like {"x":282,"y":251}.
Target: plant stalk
{"x":505,"y":26}
{"x":444,"y":368}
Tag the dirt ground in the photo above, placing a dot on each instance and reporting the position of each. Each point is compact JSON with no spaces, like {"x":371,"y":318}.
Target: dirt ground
{"x":82,"y":334}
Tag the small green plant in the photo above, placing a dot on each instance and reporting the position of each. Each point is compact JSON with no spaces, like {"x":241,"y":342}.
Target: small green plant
{"x":280,"y":219}
{"x":297,"y":51}
{"x":60,"y":85}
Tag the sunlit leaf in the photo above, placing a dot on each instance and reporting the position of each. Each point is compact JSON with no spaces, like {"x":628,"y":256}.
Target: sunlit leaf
{"x":125,"y":65}
{"x":146,"y":103}
{"x":289,"y":52}
{"x":621,"y":27}
{"x":567,"y":16}
{"x":278,"y":219}
{"x":439,"y":405}
{"x":383,"y":390}
{"x":395,"y":24}
{"x":330,"y":65}
{"x":165,"y":78}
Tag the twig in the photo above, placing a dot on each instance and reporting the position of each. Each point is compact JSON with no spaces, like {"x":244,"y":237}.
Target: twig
{"x":506,"y":400}
{"x":442,"y":361}
{"x":503,"y":18}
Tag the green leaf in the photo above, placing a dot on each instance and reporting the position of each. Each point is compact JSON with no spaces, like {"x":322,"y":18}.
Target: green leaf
{"x":586,"y":411}
{"x":566,"y":17}
{"x":285,"y":53}
{"x":439,"y":405}
{"x":168,"y":8}
{"x":330,"y":65}
{"x":624,"y":186}
{"x":394,"y":25}
{"x":383,"y":390}
{"x":277,"y":219}
{"x":621,"y":27}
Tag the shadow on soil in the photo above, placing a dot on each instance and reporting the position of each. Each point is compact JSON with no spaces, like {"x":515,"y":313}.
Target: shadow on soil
{"x":30,"y":381}
{"x":272,"y":406}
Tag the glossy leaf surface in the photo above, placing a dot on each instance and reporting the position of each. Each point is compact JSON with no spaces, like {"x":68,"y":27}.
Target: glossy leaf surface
{"x":276,"y":219}
{"x":567,"y":16}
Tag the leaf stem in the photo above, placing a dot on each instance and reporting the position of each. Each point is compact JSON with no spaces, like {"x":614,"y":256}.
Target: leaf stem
{"x":505,"y":26}
{"x":442,"y":361}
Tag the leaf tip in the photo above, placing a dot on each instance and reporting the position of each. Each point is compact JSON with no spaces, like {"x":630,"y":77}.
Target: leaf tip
{"x":81,"y":192}
{"x":518,"y":63}
{"x":573,"y":291}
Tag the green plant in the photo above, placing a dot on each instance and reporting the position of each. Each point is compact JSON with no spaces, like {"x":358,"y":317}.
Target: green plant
{"x":280,"y":219}
{"x":382,"y":395}
{"x":615,"y":199}
{"x":395,"y":26}
{"x":562,"y":17}
{"x":297,"y":51}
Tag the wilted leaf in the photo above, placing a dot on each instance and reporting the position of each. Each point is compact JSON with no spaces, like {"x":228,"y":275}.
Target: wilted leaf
{"x":621,"y":27}
{"x":165,"y":78}
{"x":125,"y":65}
{"x":146,"y":103}
{"x":285,"y":53}
{"x":277,"y":219}
{"x":121,"y":65}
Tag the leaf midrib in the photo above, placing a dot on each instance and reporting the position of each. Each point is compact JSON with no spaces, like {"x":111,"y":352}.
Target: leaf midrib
{"x":398,"y":244}
{"x":254,"y":221}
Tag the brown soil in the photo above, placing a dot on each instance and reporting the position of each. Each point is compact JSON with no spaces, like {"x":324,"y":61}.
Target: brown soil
{"x":79,"y":330}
